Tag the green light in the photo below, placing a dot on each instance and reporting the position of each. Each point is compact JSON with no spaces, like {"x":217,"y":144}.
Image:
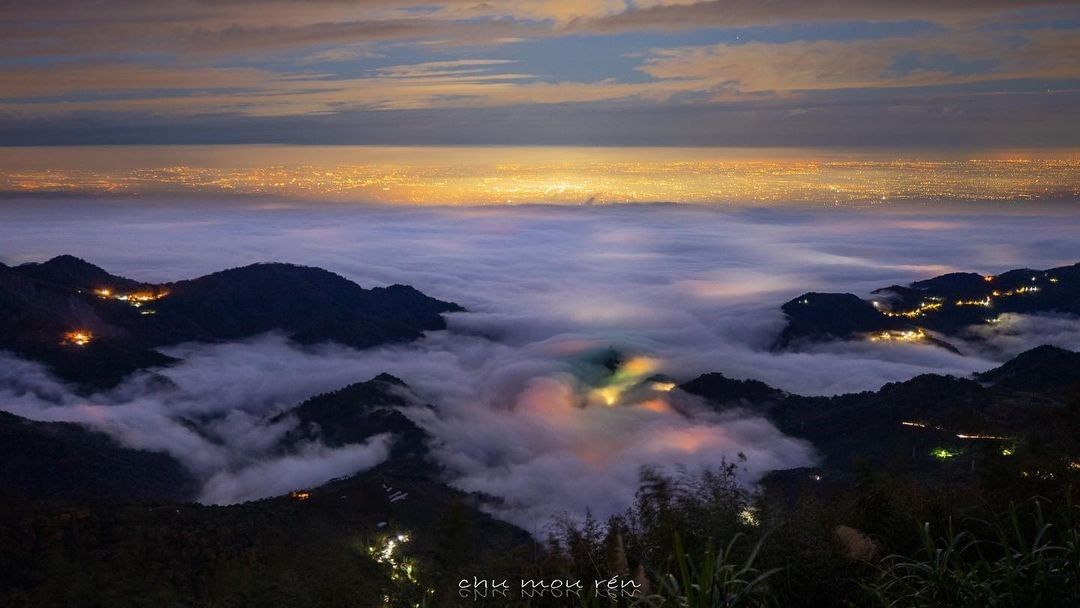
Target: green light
{"x":942,"y":453}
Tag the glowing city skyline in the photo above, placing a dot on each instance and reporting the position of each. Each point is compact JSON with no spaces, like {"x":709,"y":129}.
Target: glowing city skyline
{"x":501,"y":175}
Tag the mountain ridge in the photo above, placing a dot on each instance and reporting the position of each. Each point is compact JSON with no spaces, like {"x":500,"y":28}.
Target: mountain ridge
{"x":944,"y":305}
{"x":92,"y":328}
{"x":1025,"y":399}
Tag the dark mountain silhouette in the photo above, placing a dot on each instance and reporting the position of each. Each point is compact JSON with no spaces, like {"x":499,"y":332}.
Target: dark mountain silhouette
{"x":1035,"y":393}
{"x":722,"y":390}
{"x":40,"y":304}
{"x":356,"y":413}
{"x":309,"y":304}
{"x":1043,"y":368}
{"x":318,"y":541}
{"x":820,"y":315}
{"x":1035,"y":397}
{"x":59,"y":460}
{"x":1023,"y":405}
{"x":69,"y":461}
{"x":945,"y":304}
{"x":69,"y":271}
{"x":93,"y":328}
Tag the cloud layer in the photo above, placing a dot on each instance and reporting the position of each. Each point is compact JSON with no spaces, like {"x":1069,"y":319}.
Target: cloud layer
{"x":677,"y":290}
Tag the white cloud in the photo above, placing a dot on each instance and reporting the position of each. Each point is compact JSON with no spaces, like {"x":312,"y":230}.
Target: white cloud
{"x":313,"y":466}
{"x":695,"y":289}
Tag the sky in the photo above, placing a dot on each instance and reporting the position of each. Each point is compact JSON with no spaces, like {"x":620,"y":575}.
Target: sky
{"x":921,"y":73}
{"x":676,"y":289}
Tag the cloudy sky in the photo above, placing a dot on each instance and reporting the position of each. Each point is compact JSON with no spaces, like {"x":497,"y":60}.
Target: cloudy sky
{"x":926,"y":73}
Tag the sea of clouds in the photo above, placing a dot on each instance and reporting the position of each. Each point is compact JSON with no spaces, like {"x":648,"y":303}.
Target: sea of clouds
{"x":691,"y":289}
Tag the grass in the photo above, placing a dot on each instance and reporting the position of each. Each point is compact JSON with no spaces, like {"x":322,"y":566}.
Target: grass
{"x":1023,"y":560}
{"x":718,"y":581}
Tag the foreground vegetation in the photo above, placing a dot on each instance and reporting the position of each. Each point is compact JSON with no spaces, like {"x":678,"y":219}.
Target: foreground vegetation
{"x":885,"y":537}
{"x":702,"y":541}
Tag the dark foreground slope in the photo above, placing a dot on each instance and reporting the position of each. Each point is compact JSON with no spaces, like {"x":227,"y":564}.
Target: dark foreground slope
{"x":321,"y":551}
{"x":322,"y":546}
{"x":64,"y":461}
{"x":93,"y":328}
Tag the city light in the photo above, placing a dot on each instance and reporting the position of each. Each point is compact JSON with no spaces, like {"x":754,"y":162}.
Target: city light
{"x":914,"y":335}
{"x":80,"y":337}
{"x":575,"y":176}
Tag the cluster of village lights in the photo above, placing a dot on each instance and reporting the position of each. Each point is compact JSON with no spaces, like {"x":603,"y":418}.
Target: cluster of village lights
{"x":79,"y":337}
{"x":933,"y":303}
{"x":136,"y":299}
{"x":913,"y":335}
